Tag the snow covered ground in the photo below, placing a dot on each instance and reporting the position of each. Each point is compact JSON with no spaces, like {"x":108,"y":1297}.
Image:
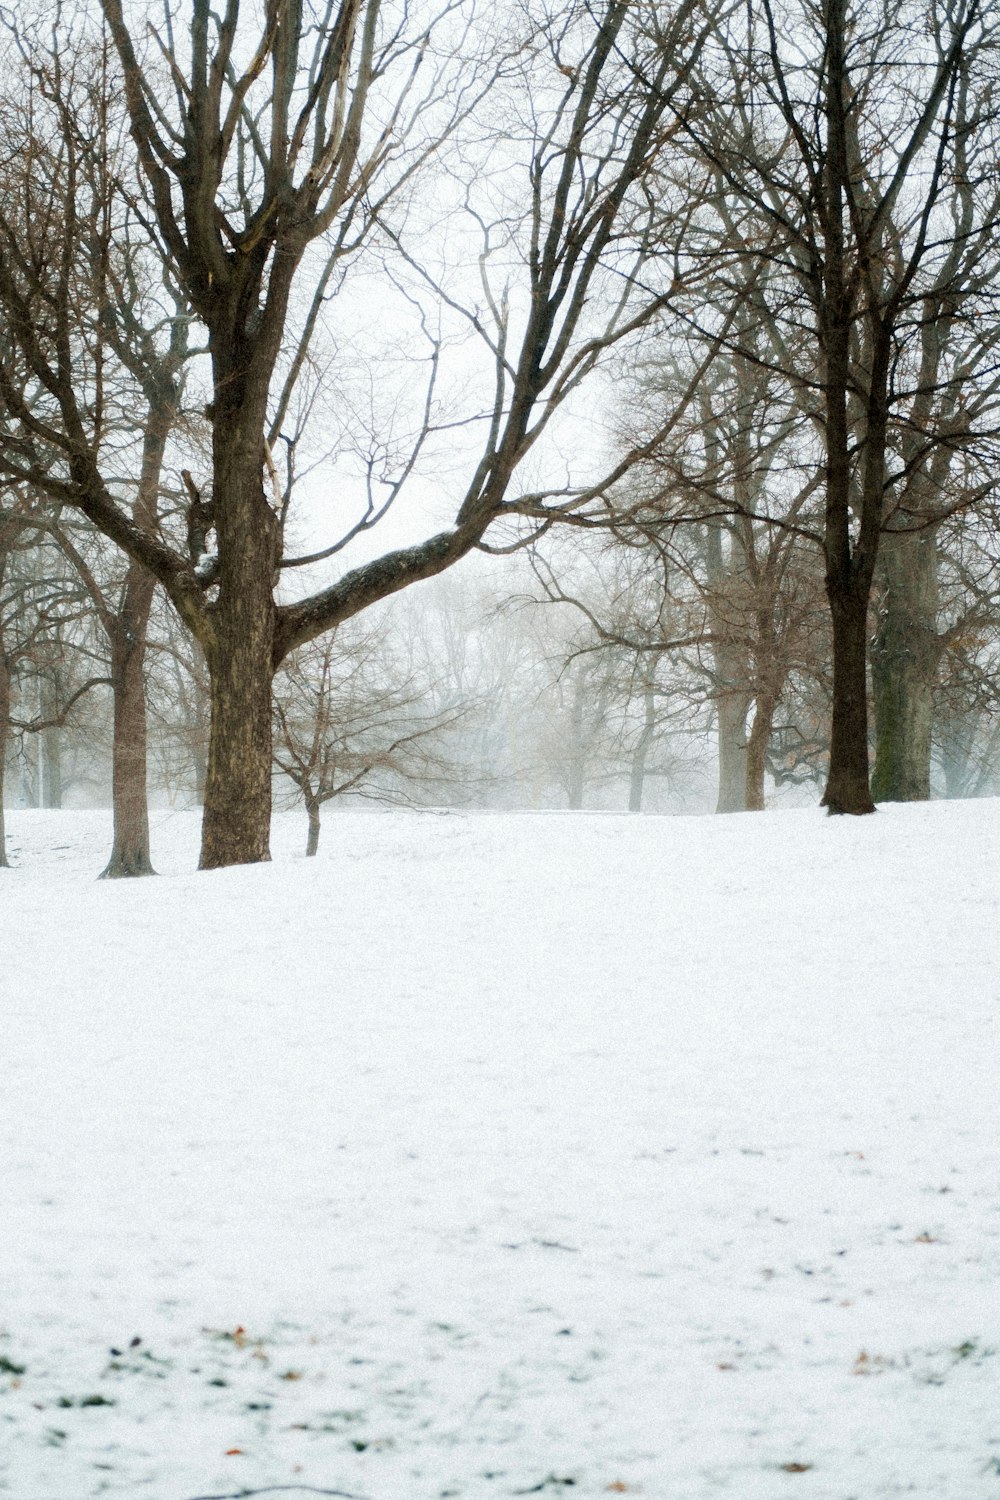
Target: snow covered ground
{"x":503,"y":1155}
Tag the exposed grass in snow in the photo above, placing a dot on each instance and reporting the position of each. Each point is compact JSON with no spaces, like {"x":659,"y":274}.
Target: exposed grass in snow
{"x":497,"y":1155}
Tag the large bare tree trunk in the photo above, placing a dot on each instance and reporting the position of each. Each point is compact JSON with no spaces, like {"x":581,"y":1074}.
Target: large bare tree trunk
{"x":240,"y":651}
{"x":237,"y":823}
{"x":731,"y":710}
{"x":847,"y":787}
{"x":904,"y":662}
{"x":849,"y":565}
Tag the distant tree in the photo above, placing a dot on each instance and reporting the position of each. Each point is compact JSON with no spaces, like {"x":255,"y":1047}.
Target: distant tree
{"x":856,"y":165}
{"x":48,"y":664}
{"x":351,"y":720}
{"x":88,"y":310}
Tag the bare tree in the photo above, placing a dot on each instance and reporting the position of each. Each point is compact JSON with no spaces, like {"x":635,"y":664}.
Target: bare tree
{"x":352,"y":720}
{"x":259,"y":135}
{"x":48,"y":664}
{"x":93,"y":314}
{"x":838,"y":157}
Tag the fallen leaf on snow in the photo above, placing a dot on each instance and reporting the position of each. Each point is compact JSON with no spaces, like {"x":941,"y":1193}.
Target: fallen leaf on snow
{"x":871,"y":1364}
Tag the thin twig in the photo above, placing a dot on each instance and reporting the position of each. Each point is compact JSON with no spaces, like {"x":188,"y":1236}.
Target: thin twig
{"x":282,"y":1489}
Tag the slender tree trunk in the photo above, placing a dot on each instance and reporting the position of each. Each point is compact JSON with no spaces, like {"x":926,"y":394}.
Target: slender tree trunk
{"x":130,"y":849}
{"x":758,"y":741}
{"x":730,"y":671}
{"x":5,"y":540}
{"x":130,"y":854}
{"x":578,"y":754}
{"x":4,"y":736}
{"x":51,"y":747}
{"x":313,"y":810}
{"x":640,"y":754}
{"x":198,"y":712}
{"x":904,"y":662}
{"x":850,"y":564}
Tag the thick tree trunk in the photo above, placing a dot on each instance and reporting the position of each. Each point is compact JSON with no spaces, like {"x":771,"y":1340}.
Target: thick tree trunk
{"x":236,"y":825}
{"x":904,"y":662}
{"x":313,"y":810}
{"x":851,"y":497}
{"x":847,"y":788}
{"x":239,"y":641}
{"x":732,"y":710}
{"x":237,"y":819}
{"x":130,"y":849}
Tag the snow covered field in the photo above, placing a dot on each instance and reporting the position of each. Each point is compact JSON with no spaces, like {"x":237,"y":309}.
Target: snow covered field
{"x":501,"y":1155}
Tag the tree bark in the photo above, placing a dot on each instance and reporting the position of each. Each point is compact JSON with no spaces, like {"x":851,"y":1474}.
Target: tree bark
{"x":640,"y":754}
{"x":237,"y":819}
{"x":199,"y":762}
{"x":313,"y":810}
{"x":239,"y":650}
{"x":5,"y":540}
{"x":130,"y":853}
{"x":4,"y":735}
{"x":50,"y":791}
{"x":850,"y":564}
{"x":904,"y":662}
{"x":847,"y":788}
{"x":732,"y":709}
{"x":758,"y":740}
{"x":578,"y":752}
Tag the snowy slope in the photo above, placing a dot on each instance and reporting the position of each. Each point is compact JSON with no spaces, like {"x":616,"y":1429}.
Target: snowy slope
{"x":494,"y":1155}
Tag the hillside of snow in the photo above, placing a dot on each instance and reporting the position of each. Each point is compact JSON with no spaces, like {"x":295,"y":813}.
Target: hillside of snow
{"x":493,"y":1155}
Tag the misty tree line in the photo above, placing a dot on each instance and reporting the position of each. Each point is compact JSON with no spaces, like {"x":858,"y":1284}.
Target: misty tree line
{"x":450,"y":700}
{"x":693,"y":306}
